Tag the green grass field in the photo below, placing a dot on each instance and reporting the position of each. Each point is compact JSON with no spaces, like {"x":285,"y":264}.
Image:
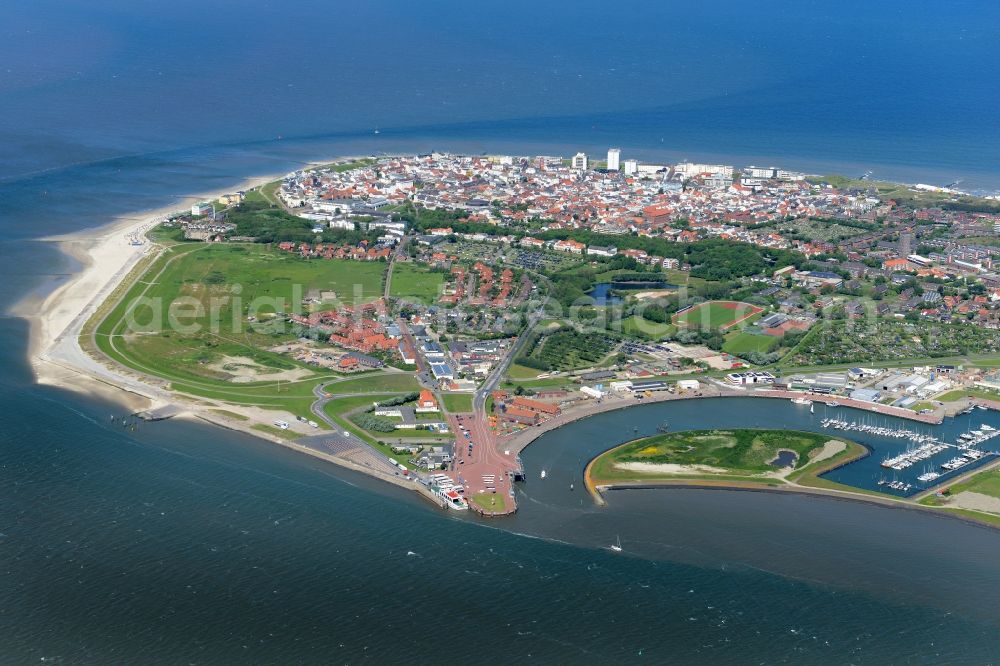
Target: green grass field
{"x":985,"y":483}
{"x":716,"y":314}
{"x":738,"y":452}
{"x":959,"y":394}
{"x":338,"y":410}
{"x":492,"y":502}
{"x":637,"y":327}
{"x":376,"y":383}
{"x":740,"y":342}
{"x":516,"y":371}
{"x":277,"y":432}
{"x":208,"y":349}
{"x":457,"y":403}
{"x":416,"y":282}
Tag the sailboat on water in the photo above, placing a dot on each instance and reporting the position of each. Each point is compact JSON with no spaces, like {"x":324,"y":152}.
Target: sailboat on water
{"x":617,"y":546}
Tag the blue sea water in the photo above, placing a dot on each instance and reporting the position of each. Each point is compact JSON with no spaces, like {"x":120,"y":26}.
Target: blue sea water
{"x":186,"y":544}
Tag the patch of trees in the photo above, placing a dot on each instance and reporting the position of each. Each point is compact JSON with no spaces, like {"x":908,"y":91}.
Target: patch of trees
{"x":639,"y":277}
{"x":374,"y":423}
{"x":421,"y":219}
{"x":711,"y":339}
{"x":271,"y":225}
{"x":719,"y":259}
{"x":659,"y":311}
{"x":400,"y":400}
{"x":760,"y":358}
{"x":569,"y":287}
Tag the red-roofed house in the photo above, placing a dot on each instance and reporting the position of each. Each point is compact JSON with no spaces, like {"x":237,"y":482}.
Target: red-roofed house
{"x":426,"y":402}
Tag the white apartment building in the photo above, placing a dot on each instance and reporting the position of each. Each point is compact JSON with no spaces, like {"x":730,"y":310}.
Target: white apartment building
{"x":614,"y":155}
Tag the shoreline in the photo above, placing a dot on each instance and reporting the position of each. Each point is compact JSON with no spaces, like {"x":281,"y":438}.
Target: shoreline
{"x":597,"y":489}
{"x":886,"y":503}
{"x":522,"y":439}
{"x":108,"y":260}
{"x":518,"y":444}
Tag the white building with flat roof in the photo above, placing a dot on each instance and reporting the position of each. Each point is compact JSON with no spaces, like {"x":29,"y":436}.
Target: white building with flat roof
{"x":581,"y":161}
{"x":693,"y":169}
{"x":614,"y":155}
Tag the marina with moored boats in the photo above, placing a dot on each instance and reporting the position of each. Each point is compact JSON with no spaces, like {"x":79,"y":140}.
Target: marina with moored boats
{"x":941,"y":458}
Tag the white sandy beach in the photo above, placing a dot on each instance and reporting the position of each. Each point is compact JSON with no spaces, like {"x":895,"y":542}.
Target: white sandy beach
{"x":108,"y":255}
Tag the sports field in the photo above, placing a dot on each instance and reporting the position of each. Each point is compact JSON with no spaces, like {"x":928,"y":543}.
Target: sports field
{"x":716,"y":314}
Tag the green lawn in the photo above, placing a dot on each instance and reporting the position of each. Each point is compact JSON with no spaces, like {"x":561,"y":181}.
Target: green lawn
{"x":715,"y":314}
{"x":740,"y":342}
{"x":490,"y":501}
{"x":516,"y":371}
{"x":547,"y":382}
{"x":416,"y":282}
{"x":985,"y":483}
{"x":339,"y":408}
{"x":373,"y":383}
{"x":638,"y":327}
{"x":348,"y":166}
{"x":277,"y":432}
{"x":266,"y":193}
{"x":679,"y":277}
{"x":959,"y":394}
{"x":737,"y":451}
{"x":209,"y":349}
{"x":742,"y":454}
{"x":457,"y":403}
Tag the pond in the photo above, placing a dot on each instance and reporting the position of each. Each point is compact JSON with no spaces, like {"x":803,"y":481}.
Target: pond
{"x":601,"y":293}
{"x":785,"y":459}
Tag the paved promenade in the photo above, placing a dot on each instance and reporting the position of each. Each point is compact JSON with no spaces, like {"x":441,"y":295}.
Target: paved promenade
{"x":486,"y":469}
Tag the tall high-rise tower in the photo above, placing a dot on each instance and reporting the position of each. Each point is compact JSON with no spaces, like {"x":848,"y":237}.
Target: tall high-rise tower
{"x":614,"y":154}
